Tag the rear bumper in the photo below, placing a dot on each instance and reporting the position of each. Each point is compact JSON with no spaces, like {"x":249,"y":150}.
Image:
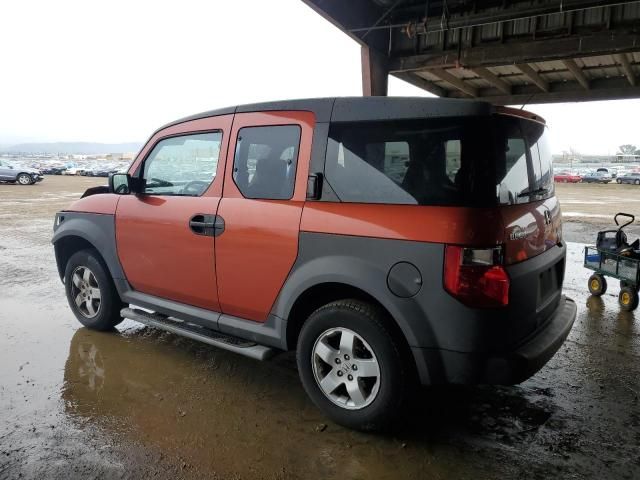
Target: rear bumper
{"x":503,"y":368}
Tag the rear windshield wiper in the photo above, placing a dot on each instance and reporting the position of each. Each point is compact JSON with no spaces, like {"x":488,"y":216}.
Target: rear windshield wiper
{"x":537,"y":191}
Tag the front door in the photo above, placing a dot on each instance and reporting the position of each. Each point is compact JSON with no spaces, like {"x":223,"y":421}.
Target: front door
{"x":165,"y":243}
{"x":264,"y":193}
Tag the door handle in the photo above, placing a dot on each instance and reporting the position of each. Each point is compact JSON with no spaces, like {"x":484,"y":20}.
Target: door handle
{"x":208,"y":225}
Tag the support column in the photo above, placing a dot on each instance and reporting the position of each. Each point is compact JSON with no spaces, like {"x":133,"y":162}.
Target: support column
{"x":375,"y":73}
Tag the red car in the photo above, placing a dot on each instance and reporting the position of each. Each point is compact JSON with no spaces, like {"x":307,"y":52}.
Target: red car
{"x":567,"y":177}
{"x":366,"y":234}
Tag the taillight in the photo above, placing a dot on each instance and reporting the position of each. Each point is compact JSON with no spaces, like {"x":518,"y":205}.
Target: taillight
{"x":475,"y":276}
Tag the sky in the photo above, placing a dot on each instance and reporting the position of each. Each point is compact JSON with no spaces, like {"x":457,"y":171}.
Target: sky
{"x":114,"y":71}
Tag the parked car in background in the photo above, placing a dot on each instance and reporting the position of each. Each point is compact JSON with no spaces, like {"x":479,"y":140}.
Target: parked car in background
{"x":567,"y":177}
{"x":53,"y":170}
{"x":633,"y":178}
{"x":620,"y":171}
{"x":611,"y":171}
{"x":597,"y":177}
{"x":315,"y":218}
{"x":72,"y":171}
{"x":17,"y":174}
{"x":100,"y":171}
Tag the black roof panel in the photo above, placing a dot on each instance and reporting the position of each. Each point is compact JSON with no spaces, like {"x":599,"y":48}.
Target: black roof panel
{"x":349,"y":109}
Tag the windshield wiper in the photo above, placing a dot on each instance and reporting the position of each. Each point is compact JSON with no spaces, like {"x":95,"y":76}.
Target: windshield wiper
{"x":537,"y":191}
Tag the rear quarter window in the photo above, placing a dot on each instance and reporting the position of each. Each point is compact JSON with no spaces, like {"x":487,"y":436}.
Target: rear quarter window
{"x":467,"y":161}
{"x":414,"y":162}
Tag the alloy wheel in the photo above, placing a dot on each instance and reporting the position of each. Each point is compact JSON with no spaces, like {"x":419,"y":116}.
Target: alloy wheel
{"x":85,"y":292}
{"x":24,"y":179}
{"x":345,"y":368}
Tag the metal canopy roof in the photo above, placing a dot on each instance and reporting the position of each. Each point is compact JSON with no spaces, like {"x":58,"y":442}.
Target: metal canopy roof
{"x":502,"y":51}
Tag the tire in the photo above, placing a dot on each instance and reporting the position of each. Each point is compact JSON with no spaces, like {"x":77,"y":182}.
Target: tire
{"x":637,"y":182}
{"x":628,"y":299}
{"x":597,"y":285}
{"x":24,"y":179}
{"x":99,"y":304}
{"x":375,"y":400}
{"x":618,"y":181}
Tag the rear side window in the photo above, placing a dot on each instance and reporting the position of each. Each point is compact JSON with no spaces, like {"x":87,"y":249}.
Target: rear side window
{"x":540,"y":149}
{"x":513,"y":180}
{"x":182,"y":166}
{"x":470,"y":161}
{"x":265,"y":160}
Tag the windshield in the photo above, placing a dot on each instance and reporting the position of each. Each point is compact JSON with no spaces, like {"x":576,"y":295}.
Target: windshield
{"x":468,"y":161}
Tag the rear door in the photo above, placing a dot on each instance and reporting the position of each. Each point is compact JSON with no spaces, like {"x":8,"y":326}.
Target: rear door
{"x":6,"y":173}
{"x":526,"y":191}
{"x":264,"y":193}
{"x":164,"y":242}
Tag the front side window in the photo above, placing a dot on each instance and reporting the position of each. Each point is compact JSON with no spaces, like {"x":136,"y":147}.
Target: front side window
{"x":182,"y":166}
{"x":468,"y":161}
{"x":264,"y":164}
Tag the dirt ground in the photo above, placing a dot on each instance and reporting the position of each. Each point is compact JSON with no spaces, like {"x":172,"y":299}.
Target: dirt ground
{"x":138,"y":403}
{"x":589,"y":207}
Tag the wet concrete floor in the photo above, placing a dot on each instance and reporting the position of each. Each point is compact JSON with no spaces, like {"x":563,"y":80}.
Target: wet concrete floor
{"x":138,"y":403}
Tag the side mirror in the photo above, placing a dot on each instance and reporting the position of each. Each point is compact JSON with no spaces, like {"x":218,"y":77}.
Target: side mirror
{"x":120,"y":183}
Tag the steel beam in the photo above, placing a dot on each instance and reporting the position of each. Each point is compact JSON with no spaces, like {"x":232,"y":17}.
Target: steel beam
{"x":354,"y":14}
{"x":474,"y":17}
{"x":622,"y":59}
{"x":615,"y":88}
{"x":520,"y":52}
{"x":532,"y":75}
{"x":493,"y":79}
{"x":375,"y":73}
{"x":577,"y":73}
{"x":454,"y":81}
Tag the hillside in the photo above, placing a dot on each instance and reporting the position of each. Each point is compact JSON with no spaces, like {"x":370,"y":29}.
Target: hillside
{"x":89,"y":148}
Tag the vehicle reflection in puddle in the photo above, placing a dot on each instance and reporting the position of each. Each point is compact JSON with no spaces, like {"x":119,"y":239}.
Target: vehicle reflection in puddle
{"x":220,"y":411}
{"x":224,"y":413}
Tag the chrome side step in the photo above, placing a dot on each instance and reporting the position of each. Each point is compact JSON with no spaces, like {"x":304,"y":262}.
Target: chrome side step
{"x":195,"y":332}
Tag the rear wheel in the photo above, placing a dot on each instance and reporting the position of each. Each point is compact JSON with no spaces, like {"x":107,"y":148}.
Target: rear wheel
{"x":637,"y":182}
{"x":618,"y":181}
{"x":597,"y":285}
{"x":352,"y":367}
{"x":91,"y":293}
{"x":24,"y":179}
{"x":628,"y":299}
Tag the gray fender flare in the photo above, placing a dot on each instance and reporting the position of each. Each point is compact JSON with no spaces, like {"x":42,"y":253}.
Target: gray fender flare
{"x":357,"y":273}
{"x":98,"y":230}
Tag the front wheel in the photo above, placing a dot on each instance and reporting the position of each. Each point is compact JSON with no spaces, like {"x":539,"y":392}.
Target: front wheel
{"x":352,"y":367}
{"x":91,"y":293}
{"x":24,"y":179}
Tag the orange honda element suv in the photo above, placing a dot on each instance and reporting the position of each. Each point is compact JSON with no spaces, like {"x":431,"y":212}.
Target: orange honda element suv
{"x":388,"y":241}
